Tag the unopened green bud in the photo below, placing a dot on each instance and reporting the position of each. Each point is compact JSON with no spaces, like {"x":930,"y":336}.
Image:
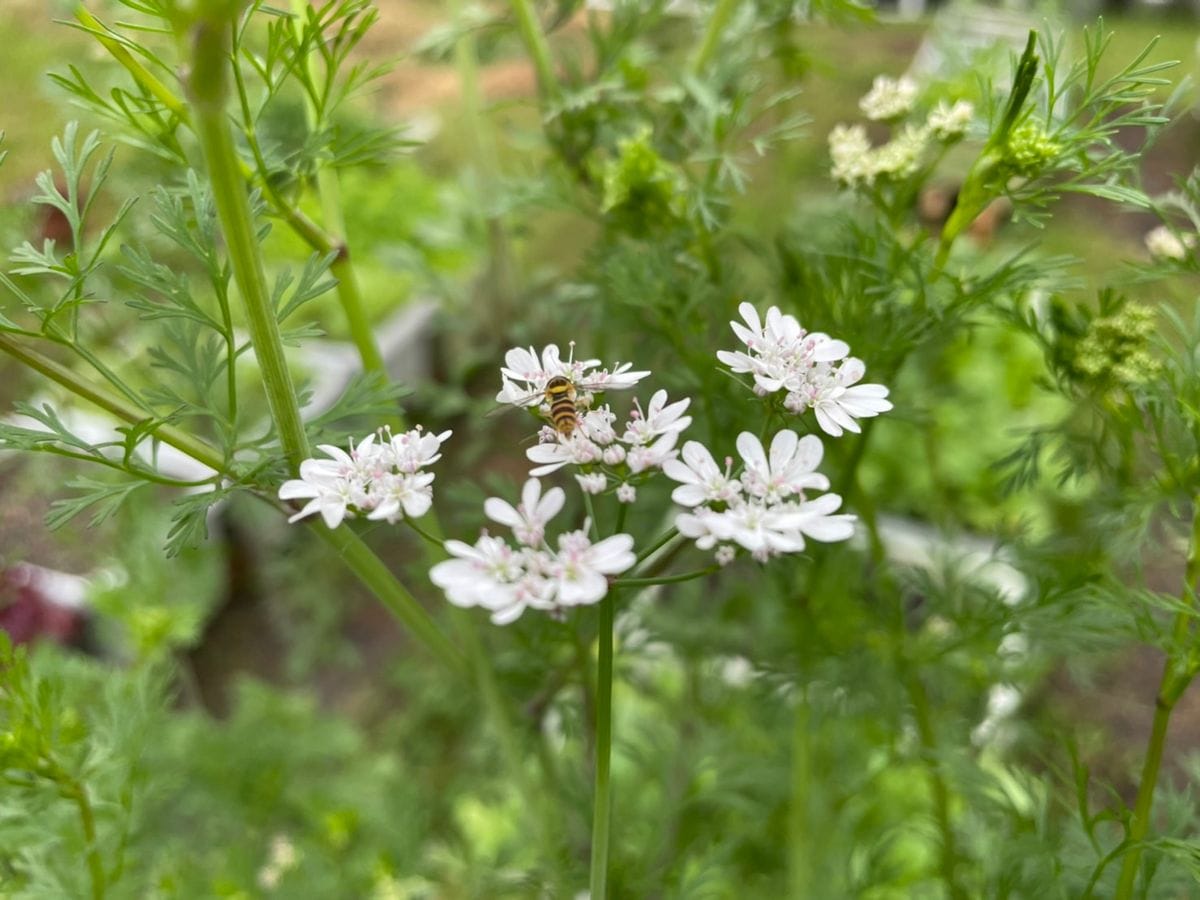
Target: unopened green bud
{"x":1030,"y":149}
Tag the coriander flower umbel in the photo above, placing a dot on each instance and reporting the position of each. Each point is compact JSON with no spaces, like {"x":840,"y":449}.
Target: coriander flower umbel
{"x":507,"y":580}
{"x":380,"y":477}
{"x":889,"y":98}
{"x":814,"y":370}
{"x":767,"y":511}
{"x":1163,"y":243}
{"x":948,"y":122}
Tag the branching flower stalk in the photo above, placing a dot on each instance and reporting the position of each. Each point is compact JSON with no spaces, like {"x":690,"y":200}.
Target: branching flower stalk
{"x":1179,"y":670}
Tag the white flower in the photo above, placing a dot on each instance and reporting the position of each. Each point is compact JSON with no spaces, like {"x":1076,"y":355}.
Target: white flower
{"x":592,"y":483}
{"x":561,"y":451}
{"x":381,"y":479}
{"x":580,"y":567}
{"x":767,"y":511}
{"x":949,"y":122}
{"x":888,"y":98}
{"x":850,"y":150}
{"x":598,"y":426}
{"x":657,"y":419}
{"x":783,"y":356}
{"x":901,"y":156}
{"x":528,"y":520}
{"x":790,"y":470}
{"x":626,"y":493}
{"x":327,"y":493}
{"x":639,"y":459}
{"x":523,"y":377}
{"x":482,"y":575}
{"x":613,"y":455}
{"x":837,"y":399}
{"x":396,"y":496}
{"x":701,"y":480}
{"x":1163,"y":243}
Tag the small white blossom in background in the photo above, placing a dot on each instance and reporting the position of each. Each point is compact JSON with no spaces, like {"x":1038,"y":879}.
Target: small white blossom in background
{"x":282,"y":858}
{"x":507,"y":580}
{"x":901,"y":156}
{"x":948,"y":122}
{"x":889,"y":98}
{"x":814,"y":370}
{"x":1163,"y":243}
{"x":380,"y":477}
{"x":853,"y":158}
{"x":767,"y":510}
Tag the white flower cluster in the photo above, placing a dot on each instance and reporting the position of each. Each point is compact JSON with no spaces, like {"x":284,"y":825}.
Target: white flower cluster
{"x":765,"y":510}
{"x":857,"y":164}
{"x":525,"y":374}
{"x":380,"y":478}
{"x":646,"y":441}
{"x":507,"y":580}
{"x":948,"y":122}
{"x":1164,"y":243}
{"x":606,"y":454}
{"x":814,"y":369}
{"x":889,"y":98}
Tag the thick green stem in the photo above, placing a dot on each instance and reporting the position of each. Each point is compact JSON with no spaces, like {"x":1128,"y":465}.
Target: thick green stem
{"x":1178,"y":672}
{"x":601,"y":811}
{"x":717,"y":24}
{"x":208,"y":88}
{"x":538,"y":49}
{"x":371,"y":571}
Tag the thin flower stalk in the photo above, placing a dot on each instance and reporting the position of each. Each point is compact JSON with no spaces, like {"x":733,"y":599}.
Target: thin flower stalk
{"x":1178,"y":673}
{"x":602,"y":800}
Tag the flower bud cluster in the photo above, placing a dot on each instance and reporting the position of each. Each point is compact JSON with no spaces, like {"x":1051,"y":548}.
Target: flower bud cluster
{"x":381,"y":477}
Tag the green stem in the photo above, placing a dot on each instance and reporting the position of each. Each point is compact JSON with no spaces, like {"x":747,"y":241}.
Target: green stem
{"x":110,"y":402}
{"x":330,"y":194}
{"x":1178,"y":672}
{"x":538,"y":49}
{"x":538,"y":796}
{"x":132,"y":65}
{"x":661,"y":541}
{"x":717,"y":24}
{"x":78,"y":793}
{"x":371,"y":571}
{"x":800,"y":859}
{"x":601,"y":825}
{"x":208,"y":87}
{"x":941,"y":793}
{"x":668,"y":579}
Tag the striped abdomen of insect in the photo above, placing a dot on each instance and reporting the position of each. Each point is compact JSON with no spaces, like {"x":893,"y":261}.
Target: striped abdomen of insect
{"x":560,"y":394}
